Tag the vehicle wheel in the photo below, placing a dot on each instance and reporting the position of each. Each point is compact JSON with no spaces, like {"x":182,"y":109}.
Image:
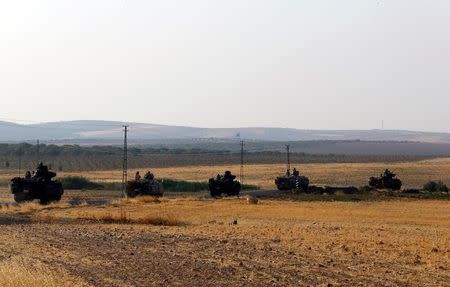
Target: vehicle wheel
{"x":57,"y":197}
{"x":131,"y":193}
{"x":215,"y":193}
{"x":44,"y":200}
{"x":22,"y":197}
{"x":237,"y":188}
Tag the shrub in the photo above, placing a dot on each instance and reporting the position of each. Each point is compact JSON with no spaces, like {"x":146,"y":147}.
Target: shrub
{"x":79,"y":182}
{"x":183,"y":186}
{"x":366,"y":188}
{"x":23,"y":273}
{"x":112,"y":185}
{"x":435,"y":186}
{"x":124,"y":218}
{"x":249,"y":187}
{"x":187,"y":186}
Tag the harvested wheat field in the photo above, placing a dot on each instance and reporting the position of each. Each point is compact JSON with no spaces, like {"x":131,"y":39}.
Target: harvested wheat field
{"x":413,"y":174}
{"x":229,"y":242}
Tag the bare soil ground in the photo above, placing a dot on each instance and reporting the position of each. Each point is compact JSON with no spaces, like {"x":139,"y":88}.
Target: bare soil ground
{"x":232,"y":243}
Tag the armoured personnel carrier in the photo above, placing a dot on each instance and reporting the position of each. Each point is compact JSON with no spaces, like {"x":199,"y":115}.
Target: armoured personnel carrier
{"x":40,"y":186}
{"x":224,"y":184}
{"x":146,"y":186}
{"x":293,"y":181}
{"x":387,"y":180}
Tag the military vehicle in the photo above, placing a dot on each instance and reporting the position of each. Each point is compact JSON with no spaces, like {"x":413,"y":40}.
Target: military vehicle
{"x":146,"y":186}
{"x":226,"y":184}
{"x":40,"y":186}
{"x":387,"y":180}
{"x":292,"y":181}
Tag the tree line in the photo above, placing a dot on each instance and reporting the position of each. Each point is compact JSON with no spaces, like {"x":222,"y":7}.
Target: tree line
{"x":87,"y":158}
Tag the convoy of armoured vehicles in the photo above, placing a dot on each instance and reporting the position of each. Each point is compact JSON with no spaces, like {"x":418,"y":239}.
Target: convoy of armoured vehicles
{"x":42,"y":186}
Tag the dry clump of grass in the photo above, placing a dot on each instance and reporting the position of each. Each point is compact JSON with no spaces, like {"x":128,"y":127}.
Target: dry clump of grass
{"x":16,"y":274}
{"x":78,"y":201}
{"x":49,"y":218}
{"x":112,"y":218}
{"x":136,"y":200}
{"x":147,"y":199}
{"x":23,"y":207}
{"x":31,"y":207}
{"x":252,"y":200}
{"x":123,"y":217}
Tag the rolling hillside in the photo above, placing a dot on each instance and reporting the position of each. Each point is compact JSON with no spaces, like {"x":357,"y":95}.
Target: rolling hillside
{"x":84,"y":131}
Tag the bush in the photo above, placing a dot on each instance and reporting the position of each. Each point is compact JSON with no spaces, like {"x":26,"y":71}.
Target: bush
{"x":435,"y":186}
{"x":249,"y":187}
{"x":79,"y":182}
{"x":183,"y":186}
{"x":187,"y":186}
{"x":366,"y":189}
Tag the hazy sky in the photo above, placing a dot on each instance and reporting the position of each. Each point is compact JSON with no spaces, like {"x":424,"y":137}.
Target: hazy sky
{"x":289,"y":63}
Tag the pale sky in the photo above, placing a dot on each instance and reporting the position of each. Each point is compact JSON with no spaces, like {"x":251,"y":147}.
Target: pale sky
{"x":316,"y":64}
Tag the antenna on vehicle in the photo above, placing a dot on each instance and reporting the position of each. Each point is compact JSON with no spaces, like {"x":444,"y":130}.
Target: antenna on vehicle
{"x":125,"y":160}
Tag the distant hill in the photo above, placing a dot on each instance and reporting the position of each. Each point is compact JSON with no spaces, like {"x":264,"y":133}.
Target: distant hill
{"x":111,"y":131}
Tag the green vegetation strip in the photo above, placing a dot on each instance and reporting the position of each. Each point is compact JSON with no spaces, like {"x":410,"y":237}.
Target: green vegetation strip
{"x":82,"y":183}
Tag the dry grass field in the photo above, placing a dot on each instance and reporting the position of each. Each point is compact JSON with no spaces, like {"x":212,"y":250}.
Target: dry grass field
{"x":414,"y":174}
{"x":194,"y":241}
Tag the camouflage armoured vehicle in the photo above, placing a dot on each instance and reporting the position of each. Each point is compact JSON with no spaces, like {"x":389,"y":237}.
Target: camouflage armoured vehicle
{"x":293,"y":181}
{"x":387,"y":180}
{"x":40,"y":186}
{"x":226,"y":184}
{"x":146,"y":186}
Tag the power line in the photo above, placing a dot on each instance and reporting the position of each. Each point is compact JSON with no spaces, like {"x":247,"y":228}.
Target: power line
{"x":241,"y":176}
{"x":288,"y":155}
{"x":38,"y":151}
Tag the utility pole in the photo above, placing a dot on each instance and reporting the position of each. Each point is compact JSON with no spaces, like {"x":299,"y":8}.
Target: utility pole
{"x":125,"y":160}
{"x":20,"y":159}
{"x":241,"y":176}
{"x":288,"y":154}
{"x":20,"y":162}
{"x":38,"y":156}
